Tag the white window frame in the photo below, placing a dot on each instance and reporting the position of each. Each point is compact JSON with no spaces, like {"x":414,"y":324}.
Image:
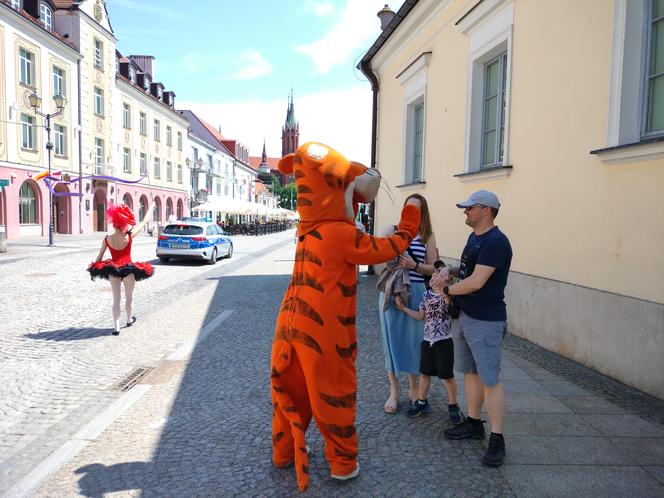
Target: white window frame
{"x":413,"y":79}
{"x":627,"y":90}
{"x":157,"y":130}
{"x":157,"y":168}
{"x":179,"y":173}
{"x":59,"y":80}
{"x":179,"y":140}
{"x":497,"y":160}
{"x":98,"y":101}
{"x":98,"y":55}
{"x":169,"y":171}
{"x":99,"y":156}
{"x":142,"y":123}
{"x":17,"y":4}
{"x":126,"y":115}
{"x":169,"y":136}
{"x":126,"y":160}
{"x":645,"y":133}
{"x":59,"y":140}
{"x":46,"y":16}
{"x":143,"y":164}
{"x":489,"y":28}
{"x":132,"y":74}
{"x":26,"y":66}
{"x":28,"y":132}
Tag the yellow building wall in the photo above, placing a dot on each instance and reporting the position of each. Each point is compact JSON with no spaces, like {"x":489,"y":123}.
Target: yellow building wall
{"x":569,"y":216}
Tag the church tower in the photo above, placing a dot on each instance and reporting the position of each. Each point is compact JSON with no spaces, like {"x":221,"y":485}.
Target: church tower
{"x":290,"y":132}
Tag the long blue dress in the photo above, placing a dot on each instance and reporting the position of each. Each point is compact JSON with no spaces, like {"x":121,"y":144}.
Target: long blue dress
{"x":402,"y":335}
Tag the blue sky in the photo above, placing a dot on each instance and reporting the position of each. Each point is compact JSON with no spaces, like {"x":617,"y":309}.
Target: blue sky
{"x":234,"y":63}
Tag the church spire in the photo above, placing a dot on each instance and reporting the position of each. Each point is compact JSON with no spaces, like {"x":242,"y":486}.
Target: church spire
{"x":290,"y":115}
{"x":290,"y":133}
{"x":264,"y":167}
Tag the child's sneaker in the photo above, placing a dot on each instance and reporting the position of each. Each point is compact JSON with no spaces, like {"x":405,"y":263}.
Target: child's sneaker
{"x":456,"y":417}
{"x":418,"y":408}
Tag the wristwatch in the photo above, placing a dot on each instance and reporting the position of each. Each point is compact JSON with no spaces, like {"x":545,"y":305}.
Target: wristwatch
{"x":446,"y":290}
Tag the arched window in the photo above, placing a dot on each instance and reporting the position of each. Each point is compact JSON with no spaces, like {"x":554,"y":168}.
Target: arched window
{"x":143,"y":207}
{"x":27,"y":205}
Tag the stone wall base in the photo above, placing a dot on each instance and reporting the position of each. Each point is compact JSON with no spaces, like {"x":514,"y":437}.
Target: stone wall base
{"x":616,"y":335}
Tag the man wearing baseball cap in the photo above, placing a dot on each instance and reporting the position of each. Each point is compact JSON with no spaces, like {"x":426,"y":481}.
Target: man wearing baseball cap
{"x":478,"y":332}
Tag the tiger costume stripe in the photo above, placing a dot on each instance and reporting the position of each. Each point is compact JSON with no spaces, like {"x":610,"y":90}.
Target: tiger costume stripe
{"x":314,"y":348}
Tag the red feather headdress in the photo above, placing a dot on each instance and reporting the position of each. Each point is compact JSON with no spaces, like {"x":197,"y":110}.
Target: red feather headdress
{"x":121,"y":216}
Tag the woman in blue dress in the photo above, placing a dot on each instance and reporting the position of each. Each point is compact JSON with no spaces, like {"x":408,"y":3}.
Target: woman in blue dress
{"x":401,"y":334}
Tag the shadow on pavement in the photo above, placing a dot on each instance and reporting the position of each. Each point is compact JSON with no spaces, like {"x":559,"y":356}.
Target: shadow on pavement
{"x":69,"y":334}
{"x":217,"y":438}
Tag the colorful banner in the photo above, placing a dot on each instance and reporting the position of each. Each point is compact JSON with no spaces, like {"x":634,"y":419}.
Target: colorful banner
{"x":48,"y":178}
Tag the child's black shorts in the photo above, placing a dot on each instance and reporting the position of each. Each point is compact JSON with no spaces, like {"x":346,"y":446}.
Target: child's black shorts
{"x":437,"y":360}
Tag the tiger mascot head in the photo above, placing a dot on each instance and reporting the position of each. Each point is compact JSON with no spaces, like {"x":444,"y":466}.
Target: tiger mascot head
{"x":329,"y":186}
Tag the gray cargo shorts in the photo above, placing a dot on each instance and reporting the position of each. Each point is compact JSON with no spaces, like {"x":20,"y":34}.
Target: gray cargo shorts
{"x":477,"y":347}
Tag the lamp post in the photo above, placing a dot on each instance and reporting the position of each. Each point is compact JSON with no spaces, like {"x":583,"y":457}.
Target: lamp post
{"x":35,"y":102}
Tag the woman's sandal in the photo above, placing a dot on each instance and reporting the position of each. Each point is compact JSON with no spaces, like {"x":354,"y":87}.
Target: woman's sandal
{"x":131,"y":322}
{"x":391,"y":406}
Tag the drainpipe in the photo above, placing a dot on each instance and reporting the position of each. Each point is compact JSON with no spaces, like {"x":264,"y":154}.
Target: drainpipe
{"x":365,"y":67}
{"x":80,"y":152}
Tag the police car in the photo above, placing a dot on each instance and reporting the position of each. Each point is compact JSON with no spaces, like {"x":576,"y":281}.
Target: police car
{"x":194,"y":238}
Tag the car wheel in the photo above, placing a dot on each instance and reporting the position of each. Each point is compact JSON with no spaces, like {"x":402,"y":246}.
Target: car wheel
{"x":164,"y":259}
{"x":213,"y":257}
{"x":230,"y":251}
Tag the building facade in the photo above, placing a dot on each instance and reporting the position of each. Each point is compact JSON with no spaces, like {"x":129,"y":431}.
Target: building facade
{"x":211,"y":161}
{"x":568,"y":130}
{"x":36,"y":59}
{"x":150,"y":142}
{"x":112,"y":126}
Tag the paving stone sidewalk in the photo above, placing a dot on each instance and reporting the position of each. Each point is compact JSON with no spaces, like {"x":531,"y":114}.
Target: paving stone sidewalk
{"x":58,"y":361}
{"x":203,"y":426}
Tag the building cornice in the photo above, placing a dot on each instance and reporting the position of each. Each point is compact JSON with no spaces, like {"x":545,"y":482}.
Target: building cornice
{"x":416,"y":22}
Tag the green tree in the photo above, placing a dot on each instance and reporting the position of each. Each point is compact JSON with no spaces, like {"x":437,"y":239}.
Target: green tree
{"x":288,"y":196}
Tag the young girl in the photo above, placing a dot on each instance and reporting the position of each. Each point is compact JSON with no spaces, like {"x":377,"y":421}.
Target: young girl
{"x":437,"y":351}
{"x":120,"y":268}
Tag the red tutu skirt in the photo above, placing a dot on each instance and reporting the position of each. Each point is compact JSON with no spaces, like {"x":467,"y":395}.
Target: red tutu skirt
{"x":108,"y":268}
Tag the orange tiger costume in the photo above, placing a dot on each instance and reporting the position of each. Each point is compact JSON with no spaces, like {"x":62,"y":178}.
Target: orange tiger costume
{"x":314,"y":349}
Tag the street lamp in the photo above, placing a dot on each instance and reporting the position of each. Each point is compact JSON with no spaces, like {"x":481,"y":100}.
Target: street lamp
{"x":35,"y":103}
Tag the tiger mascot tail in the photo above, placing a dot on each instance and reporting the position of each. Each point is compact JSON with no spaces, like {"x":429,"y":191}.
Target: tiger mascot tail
{"x":314,"y":348}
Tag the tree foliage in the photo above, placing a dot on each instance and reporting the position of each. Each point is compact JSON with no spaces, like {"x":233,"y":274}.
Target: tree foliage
{"x":287,"y":194}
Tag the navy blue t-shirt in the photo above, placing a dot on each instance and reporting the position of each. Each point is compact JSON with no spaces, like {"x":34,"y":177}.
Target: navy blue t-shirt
{"x":493,"y":249}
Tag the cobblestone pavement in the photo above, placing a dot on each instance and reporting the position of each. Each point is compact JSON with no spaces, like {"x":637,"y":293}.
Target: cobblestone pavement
{"x":58,"y":359}
{"x":199,"y":423}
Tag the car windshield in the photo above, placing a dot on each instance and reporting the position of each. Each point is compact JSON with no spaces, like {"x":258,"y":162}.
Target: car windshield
{"x":183,"y":230}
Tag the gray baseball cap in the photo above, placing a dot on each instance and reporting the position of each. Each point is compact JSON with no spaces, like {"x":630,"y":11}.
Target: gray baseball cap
{"x":483,"y":197}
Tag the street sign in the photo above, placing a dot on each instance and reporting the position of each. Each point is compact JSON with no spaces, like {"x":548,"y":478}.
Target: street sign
{"x":3,"y":183}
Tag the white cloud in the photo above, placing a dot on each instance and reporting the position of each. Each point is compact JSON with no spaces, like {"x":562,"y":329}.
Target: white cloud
{"x":357,"y":26}
{"x":255,"y":66}
{"x":338,"y":118}
{"x":189,"y":62}
{"x":320,"y":9}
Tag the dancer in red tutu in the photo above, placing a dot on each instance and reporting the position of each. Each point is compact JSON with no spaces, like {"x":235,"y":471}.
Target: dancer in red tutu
{"x":120,"y":268}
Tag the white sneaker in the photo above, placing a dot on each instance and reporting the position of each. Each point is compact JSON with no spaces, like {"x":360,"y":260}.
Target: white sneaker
{"x":352,"y":475}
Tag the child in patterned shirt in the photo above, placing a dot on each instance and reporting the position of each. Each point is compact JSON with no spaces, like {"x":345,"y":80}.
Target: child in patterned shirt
{"x":437,"y":351}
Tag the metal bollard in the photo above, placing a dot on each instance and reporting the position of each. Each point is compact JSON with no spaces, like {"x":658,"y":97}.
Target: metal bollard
{"x":3,"y":238}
